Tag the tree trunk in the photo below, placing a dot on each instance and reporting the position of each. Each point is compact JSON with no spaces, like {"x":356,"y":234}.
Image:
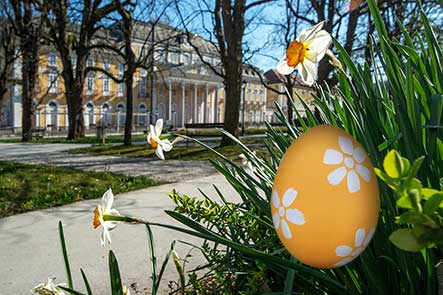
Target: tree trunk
{"x":29,"y":72}
{"x":232,"y":103}
{"x":129,"y":109}
{"x":27,"y":111}
{"x":75,"y":114}
{"x":290,"y":98}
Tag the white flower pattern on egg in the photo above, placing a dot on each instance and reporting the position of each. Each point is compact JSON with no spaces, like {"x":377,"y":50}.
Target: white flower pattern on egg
{"x":285,"y":213}
{"x":350,"y":160}
{"x":349,"y":253}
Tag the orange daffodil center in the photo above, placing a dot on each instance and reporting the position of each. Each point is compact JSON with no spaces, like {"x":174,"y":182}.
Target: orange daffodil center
{"x":305,"y":53}
{"x":105,"y":208}
{"x":295,"y":53}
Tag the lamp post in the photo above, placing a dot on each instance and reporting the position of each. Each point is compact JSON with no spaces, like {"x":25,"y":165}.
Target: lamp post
{"x":243,"y":108}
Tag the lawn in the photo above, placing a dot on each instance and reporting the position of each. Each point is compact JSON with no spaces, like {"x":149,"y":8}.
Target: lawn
{"x":25,"y":187}
{"x":178,"y":152}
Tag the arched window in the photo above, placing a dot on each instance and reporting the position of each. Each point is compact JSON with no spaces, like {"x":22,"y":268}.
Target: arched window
{"x":120,"y":114}
{"x":142,"y":114}
{"x":160,"y":111}
{"x":51,"y":114}
{"x":106,"y":115}
{"x":36,"y":113}
{"x":89,"y":114}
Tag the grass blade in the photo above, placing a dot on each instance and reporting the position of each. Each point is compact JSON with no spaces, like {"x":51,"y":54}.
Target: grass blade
{"x":114,"y":272}
{"x":65,"y":255}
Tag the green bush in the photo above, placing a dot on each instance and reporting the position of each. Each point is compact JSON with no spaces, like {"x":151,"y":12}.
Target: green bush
{"x":392,"y":104}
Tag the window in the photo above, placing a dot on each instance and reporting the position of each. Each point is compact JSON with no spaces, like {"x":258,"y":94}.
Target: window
{"x":16,"y":74}
{"x":15,"y":90}
{"x":143,"y":72}
{"x":74,"y":61}
{"x":142,"y":114}
{"x":90,"y":86}
{"x":186,"y":59}
{"x":143,"y":87}
{"x":106,"y":64}
{"x":52,"y":83}
{"x":106,"y":115}
{"x":121,"y":87}
{"x":174,"y":57}
{"x":90,"y":62}
{"x":106,"y":86}
{"x":52,"y":59}
{"x":121,"y":69}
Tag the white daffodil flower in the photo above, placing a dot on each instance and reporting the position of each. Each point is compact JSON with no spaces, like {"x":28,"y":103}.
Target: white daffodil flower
{"x":349,"y":253}
{"x":48,"y":289}
{"x":305,"y":53}
{"x":245,"y":161}
{"x":105,"y":208}
{"x":156,"y":143}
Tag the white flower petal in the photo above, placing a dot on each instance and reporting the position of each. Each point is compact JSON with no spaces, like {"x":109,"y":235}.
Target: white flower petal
{"x":285,"y":228}
{"x":318,"y":46}
{"x":113,"y":212}
{"x":107,"y":200}
{"x":336,"y":176}
{"x":289,"y":197}
{"x":152,"y":131}
{"x":343,"y":251}
{"x":276,"y":220}
{"x":159,"y":152}
{"x":363,"y":172}
{"x":275,"y":199}
{"x":166,"y":145}
{"x":359,"y":237}
{"x":105,"y":237}
{"x":346,"y":145}
{"x":159,"y":127}
{"x":308,"y":34}
{"x":369,"y":237}
{"x":332,"y":157}
{"x":353,"y":182}
{"x":359,"y":154}
{"x":295,"y":216}
{"x":148,"y":138}
{"x":283,"y":67}
{"x":344,"y":261}
{"x":308,"y":72}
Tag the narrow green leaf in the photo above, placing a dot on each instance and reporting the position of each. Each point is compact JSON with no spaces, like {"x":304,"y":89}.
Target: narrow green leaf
{"x":71,"y":291}
{"x":289,"y":281}
{"x":116,"y":282}
{"x":65,"y":255}
{"x":405,"y":239}
{"x":85,"y":280}
{"x":153,"y":259}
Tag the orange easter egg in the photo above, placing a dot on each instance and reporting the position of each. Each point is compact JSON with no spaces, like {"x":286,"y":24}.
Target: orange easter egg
{"x":325,"y":200}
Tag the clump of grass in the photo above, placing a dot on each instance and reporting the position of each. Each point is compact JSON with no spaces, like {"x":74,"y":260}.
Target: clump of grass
{"x":25,"y":187}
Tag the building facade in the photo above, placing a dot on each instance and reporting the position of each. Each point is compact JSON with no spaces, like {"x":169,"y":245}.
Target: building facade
{"x":184,"y":89}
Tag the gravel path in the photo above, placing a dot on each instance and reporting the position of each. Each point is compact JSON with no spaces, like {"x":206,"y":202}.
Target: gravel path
{"x":52,"y":154}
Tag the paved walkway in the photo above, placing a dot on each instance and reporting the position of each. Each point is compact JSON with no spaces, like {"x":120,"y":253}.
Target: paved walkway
{"x":30,"y":249}
{"x":52,"y":154}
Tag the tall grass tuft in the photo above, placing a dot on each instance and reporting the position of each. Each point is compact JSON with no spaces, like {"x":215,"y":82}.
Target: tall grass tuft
{"x":395,"y":103}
